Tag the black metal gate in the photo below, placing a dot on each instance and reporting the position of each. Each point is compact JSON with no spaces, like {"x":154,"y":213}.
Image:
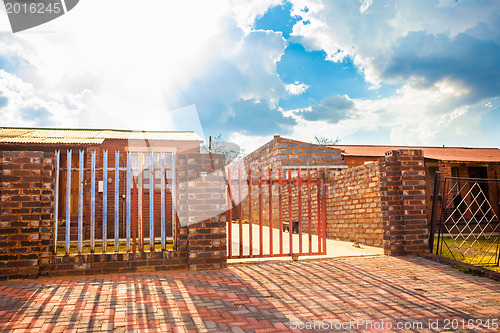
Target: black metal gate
{"x":464,"y":224}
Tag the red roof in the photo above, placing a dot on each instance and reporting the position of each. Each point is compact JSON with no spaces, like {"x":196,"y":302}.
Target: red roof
{"x":458,"y":154}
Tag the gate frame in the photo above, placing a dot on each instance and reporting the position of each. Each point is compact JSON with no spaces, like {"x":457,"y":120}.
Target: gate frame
{"x":438,"y":208}
{"x":281,"y":183}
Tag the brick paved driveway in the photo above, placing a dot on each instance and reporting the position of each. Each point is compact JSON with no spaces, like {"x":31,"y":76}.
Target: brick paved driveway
{"x":262,"y":297}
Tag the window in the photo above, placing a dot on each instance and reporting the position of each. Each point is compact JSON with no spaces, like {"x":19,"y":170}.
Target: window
{"x":432,"y":179}
{"x":142,"y":163}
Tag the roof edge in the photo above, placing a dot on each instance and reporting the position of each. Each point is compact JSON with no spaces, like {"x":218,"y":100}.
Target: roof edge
{"x":91,"y":129}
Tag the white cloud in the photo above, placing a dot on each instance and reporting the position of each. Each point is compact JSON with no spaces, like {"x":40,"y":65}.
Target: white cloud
{"x":341,"y":29}
{"x":365,"y":4}
{"x":132,"y":59}
{"x":249,"y":142}
{"x":411,"y":117}
{"x":59,"y":110}
{"x":435,"y":105}
{"x":122,"y":65}
{"x":296,"y":88}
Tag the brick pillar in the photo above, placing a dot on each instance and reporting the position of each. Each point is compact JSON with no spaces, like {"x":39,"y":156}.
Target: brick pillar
{"x":26,"y":200}
{"x":202,"y":202}
{"x":404,"y":211}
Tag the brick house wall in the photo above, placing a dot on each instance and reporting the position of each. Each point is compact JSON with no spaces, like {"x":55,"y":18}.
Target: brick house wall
{"x":456,"y":169}
{"x":354,"y":161}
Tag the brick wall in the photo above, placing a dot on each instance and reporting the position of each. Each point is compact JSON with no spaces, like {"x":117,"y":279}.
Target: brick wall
{"x":286,"y":152}
{"x":26,"y":195}
{"x":381,"y":203}
{"x":353,"y":205}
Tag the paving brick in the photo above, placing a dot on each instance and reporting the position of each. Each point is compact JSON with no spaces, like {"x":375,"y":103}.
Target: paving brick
{"x":276,"y":295}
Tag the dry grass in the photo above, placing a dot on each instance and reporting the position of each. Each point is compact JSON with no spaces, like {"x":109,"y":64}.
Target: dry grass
{"x":477,"y":251}
{"x":110,"y":247}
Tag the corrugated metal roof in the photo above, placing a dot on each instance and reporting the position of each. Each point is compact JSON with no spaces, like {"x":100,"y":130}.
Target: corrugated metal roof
{"x":87,"y":136}
{"x":456,"y":154}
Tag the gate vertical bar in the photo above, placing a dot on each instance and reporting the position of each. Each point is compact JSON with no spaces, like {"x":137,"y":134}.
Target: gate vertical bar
{"x":162,"y":205}
{"x":117,"y":194}
{"x":151,"y":203}
{"x":290,"y":211}
{"x":134,"y":214}
{"x":80,"y":200}
{"x":68,"y":197}
{"x":165,"y":177}
{"x":140,"y":235}
{"x":250,"y":213}
{"x":443,"y":198}
{"x":280,"y":210}
{"x":104,"y":200}
{"x":319,"y":208}
{"x":240,"y":219}
{"x":299,"y":192}
{"x":92,"y":203}
{"x":433,"y":211}
{"x":230,"y":219}
{"x":271,"y":229}
{"x":309,"y":208}
{"x":323,"y":192}
{"x":56,"y":204}
{"x":174,"y":202}
{"x":261,"y":242}
{"x":127,"y":197}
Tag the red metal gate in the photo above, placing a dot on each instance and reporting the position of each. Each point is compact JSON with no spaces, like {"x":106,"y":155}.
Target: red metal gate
{"x":276,"y":213}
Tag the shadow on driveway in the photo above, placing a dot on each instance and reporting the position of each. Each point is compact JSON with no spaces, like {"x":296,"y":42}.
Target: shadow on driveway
{"x":348,"y":294}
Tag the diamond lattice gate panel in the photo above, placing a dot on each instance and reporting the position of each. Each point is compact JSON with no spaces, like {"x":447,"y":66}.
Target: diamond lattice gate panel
{"x":467,"y":228}
{"x":276,"y":212}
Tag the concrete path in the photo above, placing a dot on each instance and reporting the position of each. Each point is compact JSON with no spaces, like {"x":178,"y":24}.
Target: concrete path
{"x":334,"y":248}
{"x":349,"y":294}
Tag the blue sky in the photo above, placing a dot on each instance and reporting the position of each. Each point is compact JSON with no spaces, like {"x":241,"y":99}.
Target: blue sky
{"x":369,"y":72}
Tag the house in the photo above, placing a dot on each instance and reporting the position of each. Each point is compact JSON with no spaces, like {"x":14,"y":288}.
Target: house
{"x":147,"y":144}
{"x":449,"y":161}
